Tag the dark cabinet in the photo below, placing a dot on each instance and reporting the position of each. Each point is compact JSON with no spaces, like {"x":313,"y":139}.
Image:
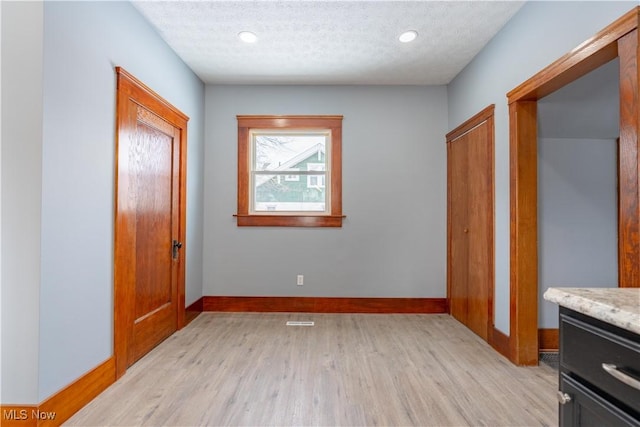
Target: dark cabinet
{"x":599,"y":373}
{"x":588,"y":408}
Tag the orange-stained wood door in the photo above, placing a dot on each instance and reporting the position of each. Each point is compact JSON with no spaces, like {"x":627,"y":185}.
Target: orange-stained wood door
{"x":154,"y":184}
{"x":459,"y":218}
{"x":149,"y":237}
{"x":470,"y":228}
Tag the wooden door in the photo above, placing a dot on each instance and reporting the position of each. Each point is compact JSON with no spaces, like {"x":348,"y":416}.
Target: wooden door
{"x":470,"y":217}
{"x":458,"y":242}
{"x":149,"y":235}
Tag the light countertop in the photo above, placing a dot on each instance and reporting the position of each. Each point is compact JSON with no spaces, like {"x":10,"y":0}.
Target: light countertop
{"x":617,"y":306}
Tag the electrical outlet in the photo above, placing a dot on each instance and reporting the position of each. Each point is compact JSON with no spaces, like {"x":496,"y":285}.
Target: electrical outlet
{"x":300,"y":280}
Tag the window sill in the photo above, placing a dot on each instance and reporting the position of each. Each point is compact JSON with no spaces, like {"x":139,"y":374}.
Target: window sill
{"x":289,"y":220}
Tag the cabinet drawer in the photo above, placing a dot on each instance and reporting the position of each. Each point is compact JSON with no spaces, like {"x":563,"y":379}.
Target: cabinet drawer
{"x":586,"y":347}
{"x":586,"y":408}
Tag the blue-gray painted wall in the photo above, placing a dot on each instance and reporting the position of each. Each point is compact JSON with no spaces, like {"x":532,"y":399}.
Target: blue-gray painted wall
{"x":393,"y":241}
{"x":71,"y":175}
{"x":578,"y":217}
{"x":21,"y":194}
{"x":540,"y":33}
{"x":83,"y":42}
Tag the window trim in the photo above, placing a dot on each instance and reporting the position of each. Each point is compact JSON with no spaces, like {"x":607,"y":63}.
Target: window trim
{"x":289,"y":123}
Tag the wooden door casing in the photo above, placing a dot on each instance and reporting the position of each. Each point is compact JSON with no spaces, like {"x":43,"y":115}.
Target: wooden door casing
{"x":470,"y":260}
{"x":149,"y":215}
{"x":620,"y":40}
{"x":629,"y":162}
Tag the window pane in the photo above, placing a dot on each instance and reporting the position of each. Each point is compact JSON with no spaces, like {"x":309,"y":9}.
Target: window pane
{"x":277,"y":193}
{"x":288,"y":151}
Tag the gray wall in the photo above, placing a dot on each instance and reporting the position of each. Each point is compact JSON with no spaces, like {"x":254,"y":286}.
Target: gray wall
{"x":577,"y":212}
{"x":586,"y":108}
{"x":577,"y":178}
{"x":69,"y":174}
{"x":536,"y":36}
{"x":83,"y":43}
{"x":393,"y":241}
{"x":21,"y":190}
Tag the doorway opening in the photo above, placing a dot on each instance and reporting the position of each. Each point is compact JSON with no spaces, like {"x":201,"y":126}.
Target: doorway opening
{"x":618,"y":40}
{"x":578,"y":130}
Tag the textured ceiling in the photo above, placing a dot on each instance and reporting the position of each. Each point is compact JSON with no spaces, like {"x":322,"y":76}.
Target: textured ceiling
{"x":327,"y":42}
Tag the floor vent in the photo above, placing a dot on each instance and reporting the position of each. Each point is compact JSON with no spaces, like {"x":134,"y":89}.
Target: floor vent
{"x":298,"y":323}
{"x":550,"y":359}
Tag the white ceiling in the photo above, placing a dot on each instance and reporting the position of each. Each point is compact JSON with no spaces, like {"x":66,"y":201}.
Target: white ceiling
{"x":327,"y":42}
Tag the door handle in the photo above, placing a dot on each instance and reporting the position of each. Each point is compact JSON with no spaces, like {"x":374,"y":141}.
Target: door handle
{"x":621,"y":376}
{"x":563,"y":398}
{"x":176,"y":248}
{"x":466,"y":230}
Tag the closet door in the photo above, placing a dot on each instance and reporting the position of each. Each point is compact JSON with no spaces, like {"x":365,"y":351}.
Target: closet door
{"x":459,"y":218}
{"x":470,"y":228}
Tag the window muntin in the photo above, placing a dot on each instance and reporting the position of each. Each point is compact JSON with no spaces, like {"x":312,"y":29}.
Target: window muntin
{"x":292,"y":177}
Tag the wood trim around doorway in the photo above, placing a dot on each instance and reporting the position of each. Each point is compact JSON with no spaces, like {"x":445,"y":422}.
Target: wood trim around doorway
{"x":129,"y":87}
{"x":473,"y":122}
{"x":620,"y":39}
{"x":629,"y":164}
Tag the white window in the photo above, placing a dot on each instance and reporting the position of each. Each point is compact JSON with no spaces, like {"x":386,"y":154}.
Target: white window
{"x":279,"y":159}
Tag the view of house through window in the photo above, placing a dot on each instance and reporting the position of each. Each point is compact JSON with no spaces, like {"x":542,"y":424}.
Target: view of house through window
{"x":289,"y":171}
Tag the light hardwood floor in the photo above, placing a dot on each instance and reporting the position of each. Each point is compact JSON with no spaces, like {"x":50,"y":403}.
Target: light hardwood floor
{"x":231,"y":369}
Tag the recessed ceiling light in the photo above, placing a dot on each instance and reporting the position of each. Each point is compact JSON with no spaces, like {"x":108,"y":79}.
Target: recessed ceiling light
{"x":408,"y":36}
{"x":247,"y":37}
